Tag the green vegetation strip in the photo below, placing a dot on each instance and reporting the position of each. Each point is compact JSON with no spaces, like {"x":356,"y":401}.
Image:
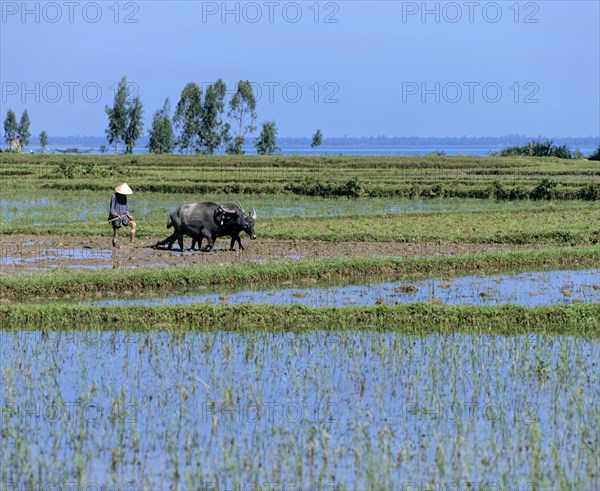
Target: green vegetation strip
{"x":44,"y":285}
{"x":502,"y":178}
{"x":546,"y":226}
{"x":137,"y":163}
{"x":399,"y":186}
{"x":580,"y":320}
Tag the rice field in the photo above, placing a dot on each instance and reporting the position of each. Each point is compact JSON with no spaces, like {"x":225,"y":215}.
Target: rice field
{"x":409,"y":323}
{"x":349,"y":410}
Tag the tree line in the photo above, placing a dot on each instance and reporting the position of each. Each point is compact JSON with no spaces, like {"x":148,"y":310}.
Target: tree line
{"x":201,"y":123}
{"x":16,"y":135}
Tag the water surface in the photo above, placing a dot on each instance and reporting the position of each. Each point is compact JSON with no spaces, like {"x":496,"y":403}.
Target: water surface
{"x":53,"y":208}
{"x":354,"y":410}
{"x":529,"y":289}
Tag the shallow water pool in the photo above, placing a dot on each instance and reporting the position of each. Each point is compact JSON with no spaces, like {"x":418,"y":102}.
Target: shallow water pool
{"x":529,"y":289}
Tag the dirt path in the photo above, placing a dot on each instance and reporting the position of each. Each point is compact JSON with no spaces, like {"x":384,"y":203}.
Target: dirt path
{"x":26,"y":253}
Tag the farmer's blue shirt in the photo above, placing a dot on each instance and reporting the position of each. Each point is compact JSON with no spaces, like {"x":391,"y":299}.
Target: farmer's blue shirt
{"x":119,"y":207}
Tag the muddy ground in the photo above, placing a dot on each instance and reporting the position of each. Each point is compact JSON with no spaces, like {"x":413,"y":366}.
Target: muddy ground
{"x":27,"y":253}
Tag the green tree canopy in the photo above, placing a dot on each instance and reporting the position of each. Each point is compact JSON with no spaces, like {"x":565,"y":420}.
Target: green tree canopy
{"x":188,"y":116}
{"x":43,"y":140}
{"x":133,"y":131}
{"x":23,"y":132}
{"x":242,"y":111}
{"x":118,"y":115}
{"x":266,"y":143}
{"x":211,"y":133}
{"x":11,"y":127}
{"x":226,"y":137}
{"x":236,"y":145}
{"x":317,"y":139}
{"x":162,"y":137}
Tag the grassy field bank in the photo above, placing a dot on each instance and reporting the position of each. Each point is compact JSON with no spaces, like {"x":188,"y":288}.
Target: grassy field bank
{"x":418,"y":319}
{"x":503,"y":178}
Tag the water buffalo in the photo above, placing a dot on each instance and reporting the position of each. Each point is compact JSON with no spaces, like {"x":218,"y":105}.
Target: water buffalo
{"x":209,"y":221}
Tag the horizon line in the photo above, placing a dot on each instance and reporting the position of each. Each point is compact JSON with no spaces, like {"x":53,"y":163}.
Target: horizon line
{"x":515,"y":135}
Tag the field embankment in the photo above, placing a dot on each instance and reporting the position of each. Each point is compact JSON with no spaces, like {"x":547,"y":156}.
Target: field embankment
{"x":416,"y":319}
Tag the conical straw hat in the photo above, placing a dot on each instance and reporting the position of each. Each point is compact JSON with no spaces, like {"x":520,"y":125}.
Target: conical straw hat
{"x":123,"y":189}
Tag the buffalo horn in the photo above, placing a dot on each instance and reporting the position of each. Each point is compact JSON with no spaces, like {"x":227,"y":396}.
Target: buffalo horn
{"x":241,"y":207}
{"x":227,"y":209}
{"x":253,"y":213}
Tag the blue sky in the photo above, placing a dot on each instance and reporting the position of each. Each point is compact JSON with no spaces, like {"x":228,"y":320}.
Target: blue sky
{"x":353,"y":68}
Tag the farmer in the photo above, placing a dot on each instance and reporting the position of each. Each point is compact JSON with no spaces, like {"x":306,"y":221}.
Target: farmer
{"x":119,"y":212}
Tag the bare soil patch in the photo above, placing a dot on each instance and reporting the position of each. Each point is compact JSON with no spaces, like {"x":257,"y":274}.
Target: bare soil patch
{"x":27,"y":253}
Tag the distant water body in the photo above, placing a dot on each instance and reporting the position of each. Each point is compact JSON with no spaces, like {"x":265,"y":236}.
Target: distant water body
{"x":366,"y":150}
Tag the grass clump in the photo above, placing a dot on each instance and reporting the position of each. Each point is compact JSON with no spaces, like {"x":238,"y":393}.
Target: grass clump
{"x":72,"y":170}
{"x":536,"y":149}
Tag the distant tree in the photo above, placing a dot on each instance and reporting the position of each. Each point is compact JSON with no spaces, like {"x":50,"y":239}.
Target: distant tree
{"x":226,"y":137}
{"x":103,"y":148}
{"x":220,"y":91}
{"x":211,"y":133}
{"x":317,"y":139}
{"x":242,"y":110}
{"x":11,"y":128}
{"x":118,"y":115}
{"x":236,"y":146}
{"x":595,"y":155}
{"x":577,"y":154}
{"x":188,"y":116}
{"x":266,"y":143}
{"x":43,"y":140}
{"x":134,"y":127}
{"x":162,"y":137}
{"x":23,"y":133}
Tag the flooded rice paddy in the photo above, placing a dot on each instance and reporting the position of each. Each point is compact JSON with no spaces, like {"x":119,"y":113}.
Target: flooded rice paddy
{"x":57,"y":254}
{"x":318,"y":411}
{"x":528,"y":289}
{"x":55,"y":209}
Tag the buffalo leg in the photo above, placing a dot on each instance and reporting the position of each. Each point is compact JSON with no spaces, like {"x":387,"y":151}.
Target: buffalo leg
{"x":209,"y":238}
{"x":211,"y":243}
{"x":169,"y":239}
{"x":197,"y":240}
{"x":235,"y":238}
